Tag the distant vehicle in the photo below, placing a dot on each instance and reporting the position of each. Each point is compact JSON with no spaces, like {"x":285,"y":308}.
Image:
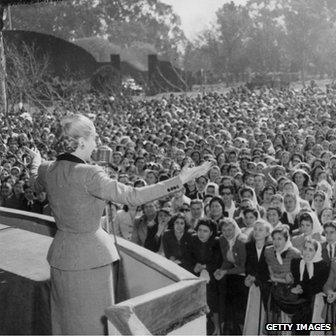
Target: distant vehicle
{"x":132,"y":87}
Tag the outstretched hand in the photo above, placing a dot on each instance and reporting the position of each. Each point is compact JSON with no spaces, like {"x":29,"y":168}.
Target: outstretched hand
{"x":188,"y":174}
{"x":34,"y":154}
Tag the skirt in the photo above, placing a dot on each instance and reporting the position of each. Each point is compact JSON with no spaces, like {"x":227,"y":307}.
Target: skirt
{"x":79,"y":300}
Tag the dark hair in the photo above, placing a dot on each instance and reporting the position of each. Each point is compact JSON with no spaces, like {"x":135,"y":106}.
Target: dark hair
{"x":252,"y":211}
{"x":283,"y":230}
{"x":277,"y":209}
{"x":267,"y":188}
{"x":196,"y":201}
{"x":209,"y":223}
{"x":246,"y":175}
{"x":219,"y":200}
{"x":244,"y":189}
{"x":305,"y":216}
{"x":27,"y":186}
{"x":331,"y":224}
{"x":221,"y":187}
{"x":173,"y":220}
{"x":320,"y":193}
{"x":139,"y":183}
{"x":312,"y":241}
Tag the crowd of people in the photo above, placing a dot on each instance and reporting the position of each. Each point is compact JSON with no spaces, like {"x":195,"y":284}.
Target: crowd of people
{"x":264,"y":215}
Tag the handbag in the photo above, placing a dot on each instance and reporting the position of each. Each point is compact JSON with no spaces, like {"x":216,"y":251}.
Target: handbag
{"x":287,"y":301}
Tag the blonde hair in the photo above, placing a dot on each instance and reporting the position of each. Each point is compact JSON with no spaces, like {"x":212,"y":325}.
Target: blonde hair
{"x":75,"y":126}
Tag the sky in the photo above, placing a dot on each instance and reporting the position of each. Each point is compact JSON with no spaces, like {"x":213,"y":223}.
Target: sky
{"x":196,"y":15}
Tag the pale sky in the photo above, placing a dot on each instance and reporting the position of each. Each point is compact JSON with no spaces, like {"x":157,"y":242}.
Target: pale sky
{"x":197,"y":14}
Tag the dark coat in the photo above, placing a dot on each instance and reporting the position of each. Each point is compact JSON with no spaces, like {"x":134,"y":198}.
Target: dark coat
{"x":174,"y":248}
{"x":207,"y":253}
{"x":239,"y":254}
{"x":331,"y":282}
{"x":314,"y":285}
{"x":253,"y":266}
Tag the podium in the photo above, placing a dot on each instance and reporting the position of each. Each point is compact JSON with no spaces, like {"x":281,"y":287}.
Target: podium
{"x":155,"y":295}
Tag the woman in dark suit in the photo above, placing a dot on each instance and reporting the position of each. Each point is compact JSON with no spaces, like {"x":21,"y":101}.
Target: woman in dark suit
{"x":176,"y":239}
{"x":231,"y":275}
{"x":202,"y":258}
{"x":82,"y":253}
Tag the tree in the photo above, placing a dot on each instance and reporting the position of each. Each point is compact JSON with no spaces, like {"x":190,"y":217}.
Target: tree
{"x":306,"y":23}
{"x":123,"y":22}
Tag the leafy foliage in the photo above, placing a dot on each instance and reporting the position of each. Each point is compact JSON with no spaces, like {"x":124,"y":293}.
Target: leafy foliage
{"x":123,"y":22}
{"x":268,"y":36}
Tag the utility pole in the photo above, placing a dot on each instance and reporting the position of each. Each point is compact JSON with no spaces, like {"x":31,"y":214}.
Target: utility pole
{"x":9,"y":13}
{"x":3,"y":74}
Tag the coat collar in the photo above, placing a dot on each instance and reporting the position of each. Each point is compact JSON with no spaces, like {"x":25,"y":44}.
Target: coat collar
{"x":69,"y":157}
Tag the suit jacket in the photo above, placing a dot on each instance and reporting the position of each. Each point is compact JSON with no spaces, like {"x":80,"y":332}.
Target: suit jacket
{"x":207,"y":253}
{"x":253,"y":266}
{"x":314,"y":285}
{"x":174,"y":248}
{"x":331,"y":281}
{"x":77,"y":193}
{"x":325,"y":253}
{"x":281,"y":270}
{"x":292,"y":226}
{"x":239,"y":254}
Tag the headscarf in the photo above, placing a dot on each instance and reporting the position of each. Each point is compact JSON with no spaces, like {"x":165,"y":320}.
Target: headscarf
{"x":212,"y":184}
{"x":286,"y":247}
{"x":326,"y":201}
{"x":325,"y":184}
{"x":291,"y":215}
{"x":237,"y":231}
{"x":305,"y":175}
{"x":317,"y":227}
{"x":310,"y":265}
{"x":254,"y":199}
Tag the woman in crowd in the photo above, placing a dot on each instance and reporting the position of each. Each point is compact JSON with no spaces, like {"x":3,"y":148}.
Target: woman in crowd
{"x":278,"y":258}
{"x":301,"y":179}
{"x":203,"y":258}
{"x":176,"y":239}
{"x":257,"y":276}
{"x":217,"y":210}
{"x":124,"y":221}
{"x":320,"y":202}
{"x":273,"y":216}
{"x":292,"y":209}
{"x":307,"y":277}
{"x":278,"y":202}
{"x":231,"y":274}
{"x":309,"y":227}
{"x":250,"y":217}
{"x":326,"y":215}
{"x":82,"y":254}
{"x":266,"y":196}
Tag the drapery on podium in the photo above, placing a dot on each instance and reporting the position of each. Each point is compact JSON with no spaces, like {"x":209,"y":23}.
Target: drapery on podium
{"x":24,"y":282}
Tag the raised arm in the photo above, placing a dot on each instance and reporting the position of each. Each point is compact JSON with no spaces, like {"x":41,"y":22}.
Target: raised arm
{"x":36,"y":170}
{"x":98,"y":184}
